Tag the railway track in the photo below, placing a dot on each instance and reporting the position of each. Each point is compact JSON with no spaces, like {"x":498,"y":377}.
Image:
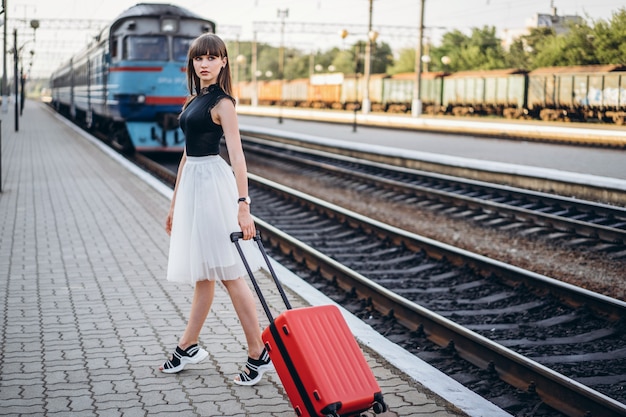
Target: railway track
{"x":534,"y":333}
{"x":494,"y":315}
{"x":610,"y":193}
{"x":595,"y":226}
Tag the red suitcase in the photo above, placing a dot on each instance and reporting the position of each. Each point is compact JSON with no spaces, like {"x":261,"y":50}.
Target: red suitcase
{"x":316,"y":356}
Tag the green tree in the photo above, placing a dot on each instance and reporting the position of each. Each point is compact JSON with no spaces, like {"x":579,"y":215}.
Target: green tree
{"x":353,"y":58}
{"x":382,"y":57}
{"x":608,"y":39}
{"x":244,"y":65}
{"x":572,"y":48}
{"x":481,"y":50}
{"x":451,"y":46}
{"x":267,"y":61}
{"x":324,"y":61}
{"x":296,"y":64}
{"x":518,"y":55}
{"x":601,"y":43}
{"x":404,"y":63}
{"x":349,"y":61}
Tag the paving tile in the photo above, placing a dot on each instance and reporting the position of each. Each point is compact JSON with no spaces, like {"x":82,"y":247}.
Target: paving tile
{"x":87,"y":315}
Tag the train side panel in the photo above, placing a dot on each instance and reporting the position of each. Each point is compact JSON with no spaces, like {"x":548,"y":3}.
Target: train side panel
{"x":352,"y":91}
{"x":613,"y":98}
{"x":595,"y":89}
{"x":270,"y":92}
{"x":485,"y":92}
{"x":324,"y":91}
{"x":376,"y":91}
{"x":612,"y":94}
{"x":294,"y":92}
{"x":398,"y":91}
{"x":540,"y":92}
{"x":509,"y":98}
{"x":432,"y":90}
{"x":576,"y":93}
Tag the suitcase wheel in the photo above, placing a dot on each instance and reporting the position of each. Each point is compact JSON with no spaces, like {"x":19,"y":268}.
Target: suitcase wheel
{"x":379,"y":405}
{"x":379,"y":408}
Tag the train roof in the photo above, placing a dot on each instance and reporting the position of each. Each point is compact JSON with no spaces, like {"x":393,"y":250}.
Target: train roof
{"x":152,"y":10}
{"x":425,"y":75}
{"x":579,"y":69}
{"x":156,"y":10}
{"x":488,"y":73}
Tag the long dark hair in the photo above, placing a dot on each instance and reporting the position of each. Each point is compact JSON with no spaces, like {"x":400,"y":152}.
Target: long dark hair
{"x":208,"y":44}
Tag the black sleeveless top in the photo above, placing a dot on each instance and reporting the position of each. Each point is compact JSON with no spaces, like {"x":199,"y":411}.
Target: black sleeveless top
{"x":202,"y":134}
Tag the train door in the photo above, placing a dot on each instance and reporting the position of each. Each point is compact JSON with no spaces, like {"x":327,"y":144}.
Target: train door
{"x":111,"y":52}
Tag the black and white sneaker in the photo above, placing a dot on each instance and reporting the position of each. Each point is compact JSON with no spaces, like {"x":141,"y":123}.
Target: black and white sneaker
{"x":180,"y":358}
{"x":256,"y":368}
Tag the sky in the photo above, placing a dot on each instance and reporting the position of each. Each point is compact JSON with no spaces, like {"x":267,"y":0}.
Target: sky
{"x":395,"y":20}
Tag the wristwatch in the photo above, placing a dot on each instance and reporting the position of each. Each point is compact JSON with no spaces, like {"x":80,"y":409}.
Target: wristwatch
{"x":246,"y":200}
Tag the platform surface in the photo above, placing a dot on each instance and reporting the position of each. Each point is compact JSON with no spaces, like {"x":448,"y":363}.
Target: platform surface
{"x":87,"y":315}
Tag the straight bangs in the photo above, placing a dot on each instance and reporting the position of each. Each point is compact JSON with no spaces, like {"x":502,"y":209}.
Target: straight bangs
{"x":211,"y":45}
{"x":207,"y":45}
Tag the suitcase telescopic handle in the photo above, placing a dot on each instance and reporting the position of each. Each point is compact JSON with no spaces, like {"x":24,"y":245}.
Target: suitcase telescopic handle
{"x":235,"y":237}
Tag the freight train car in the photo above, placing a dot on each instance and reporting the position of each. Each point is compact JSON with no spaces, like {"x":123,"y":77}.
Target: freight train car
{"x":557,"y":93}
{"x":578,"y":93}
{"x":295,"y":93}
{"x":130,"y":83}
{"x":243,"y":91}
{"x":398,"y":91}
{"x":493,"y":92}
{"x":324,"y":91}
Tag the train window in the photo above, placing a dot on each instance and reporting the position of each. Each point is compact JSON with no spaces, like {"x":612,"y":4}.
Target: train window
{"x":113,"y":48}
{"x":169,"y":25}
{"x":181,"y":46}
{"x":146,"y":48}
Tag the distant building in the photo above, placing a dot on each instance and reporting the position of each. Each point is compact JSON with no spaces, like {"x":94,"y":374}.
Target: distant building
{"x":560,"y":25}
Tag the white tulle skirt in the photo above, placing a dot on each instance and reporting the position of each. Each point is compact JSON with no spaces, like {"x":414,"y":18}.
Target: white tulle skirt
{"x":205,"y":214}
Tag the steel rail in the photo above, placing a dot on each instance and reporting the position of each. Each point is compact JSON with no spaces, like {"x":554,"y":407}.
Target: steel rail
{"x":615,"y":193}
{"x":556,"y":390}
{"x":537,"y":217}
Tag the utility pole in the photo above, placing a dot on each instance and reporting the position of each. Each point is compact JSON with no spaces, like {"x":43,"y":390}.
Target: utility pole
{"x":282,"y":14}
{"x":4,"y":81}
{"x":254,"y":102}
{"x":17,"y":82}
{"x":416,"y":106}
{"x":367,"y":104}
{"x":5,"y":96}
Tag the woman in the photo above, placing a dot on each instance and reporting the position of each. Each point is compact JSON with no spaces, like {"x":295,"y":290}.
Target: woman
{"x":207,"y":205}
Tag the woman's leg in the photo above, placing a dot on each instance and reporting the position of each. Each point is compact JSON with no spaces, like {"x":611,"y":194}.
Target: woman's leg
{"x":200,"y":307}
{"x":188,"y":350}
{"x":245,"y":307}
{"x":258,"y":362}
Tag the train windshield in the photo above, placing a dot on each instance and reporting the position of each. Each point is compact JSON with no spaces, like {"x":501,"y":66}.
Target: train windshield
{"x":146,"y":48}
{"x":181,"y":47}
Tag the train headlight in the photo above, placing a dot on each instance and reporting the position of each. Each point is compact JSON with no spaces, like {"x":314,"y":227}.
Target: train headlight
{"x":141,"y":99}
{"x":169,"y":25}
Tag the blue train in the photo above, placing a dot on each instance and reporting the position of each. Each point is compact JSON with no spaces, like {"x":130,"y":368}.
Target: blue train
{"x":130,"y":83}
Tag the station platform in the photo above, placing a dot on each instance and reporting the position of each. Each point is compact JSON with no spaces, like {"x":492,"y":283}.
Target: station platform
{"x":88,"y":316}
{"x":596,"y":134}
